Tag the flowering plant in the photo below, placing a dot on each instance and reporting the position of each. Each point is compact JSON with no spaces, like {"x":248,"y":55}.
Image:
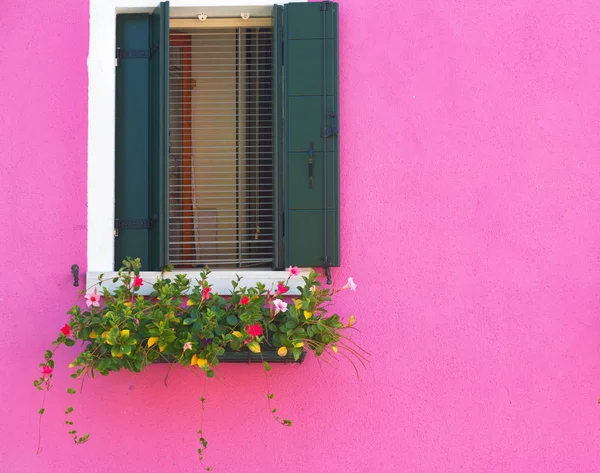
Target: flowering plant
{"x":188,"y":324}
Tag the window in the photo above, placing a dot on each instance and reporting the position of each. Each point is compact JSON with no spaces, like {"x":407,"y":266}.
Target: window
{"x":220,"y":177}
{"x":227,"y":149}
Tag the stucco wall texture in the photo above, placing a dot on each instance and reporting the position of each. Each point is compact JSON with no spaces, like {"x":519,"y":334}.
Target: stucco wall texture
{"x":470,"y":185}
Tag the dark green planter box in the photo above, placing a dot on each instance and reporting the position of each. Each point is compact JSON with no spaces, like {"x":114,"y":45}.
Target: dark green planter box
{"x":267,"y":355}
{"x":246,"y":356}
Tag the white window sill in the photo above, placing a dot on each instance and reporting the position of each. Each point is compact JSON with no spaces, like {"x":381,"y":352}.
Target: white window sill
{"x":219,"y":280}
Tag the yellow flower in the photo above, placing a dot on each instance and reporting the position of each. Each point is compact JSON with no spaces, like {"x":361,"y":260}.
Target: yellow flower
{"x":297,"y":303}
{"x":198,"y":361}
{"x":237,"y":334}
{"x":282,"y":351}
{"x":93,"y":334}
{"x":152,"y":341}
{"x":128,"y":304}
{"x":334,"y":348}
{"x":125,"y":333}
{"x":105,"y":335}
{"x":254,"y":346}
{"x":189,"y":302}
{"x":351,"y":321}
{"x":307,"y":314}
{"x":298,"y":344}
{"x":71,"y":365}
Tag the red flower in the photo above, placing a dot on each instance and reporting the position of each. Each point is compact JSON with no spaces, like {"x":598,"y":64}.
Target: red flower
{"x":254,"y":330}
{"x":137,"y":281}
{"x":244,"y":300}
{"x":66,"y":330}
{"x":205,"y":293}
{"x":281,"y":289}
{"x":46,"y":371}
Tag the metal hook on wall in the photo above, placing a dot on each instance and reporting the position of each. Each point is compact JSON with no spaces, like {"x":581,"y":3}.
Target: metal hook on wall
{"x":328,"y":274}
{"x":75,"y":272}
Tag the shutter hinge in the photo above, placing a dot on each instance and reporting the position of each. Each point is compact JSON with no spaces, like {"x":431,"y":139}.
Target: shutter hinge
{"x":135,"y":53}
{"x":134,"y":224}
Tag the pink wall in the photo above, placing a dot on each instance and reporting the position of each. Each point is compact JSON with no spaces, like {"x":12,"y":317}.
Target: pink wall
{"x":471,"y":196}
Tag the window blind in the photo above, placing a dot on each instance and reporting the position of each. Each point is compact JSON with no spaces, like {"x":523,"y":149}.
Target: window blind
{"x":220,"y":183}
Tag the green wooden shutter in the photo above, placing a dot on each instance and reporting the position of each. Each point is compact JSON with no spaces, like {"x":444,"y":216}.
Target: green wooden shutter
{"x":132,"y":139}
{"x":311,"y":213}
{"x":141,"y":136}
{"x":159,"y":135}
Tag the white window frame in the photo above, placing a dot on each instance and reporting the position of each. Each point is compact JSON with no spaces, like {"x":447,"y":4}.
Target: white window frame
{"x":101,"y":137}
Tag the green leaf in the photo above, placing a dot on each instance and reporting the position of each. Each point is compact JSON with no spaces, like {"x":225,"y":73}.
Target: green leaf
{"x":210,"y":373}
{"x":267,"y":367}
{"x":69,"y":342}
{"x":232,"y":319}
{"x":41,"y":411}
{"x":297,"y":353}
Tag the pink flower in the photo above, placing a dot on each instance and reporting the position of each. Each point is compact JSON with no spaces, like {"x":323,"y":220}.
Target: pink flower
{"x":244,"y":300}
{"x":350,"y":285}
{"x":66,"y":330}
{"x":206,"y":293}
{"x":187,"y":346}
{"x":281,"y":289}
{"x":93,"y":299}
{"x":138,"y":282}
{"x":47,"y":371}
{"x":254,"y":330}
{"x":294,"y":271}
{"x":280,"y":306}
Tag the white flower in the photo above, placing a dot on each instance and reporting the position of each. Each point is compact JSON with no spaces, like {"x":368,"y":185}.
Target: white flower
{"x":280,"y":306}
{"x":350,"y":285}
